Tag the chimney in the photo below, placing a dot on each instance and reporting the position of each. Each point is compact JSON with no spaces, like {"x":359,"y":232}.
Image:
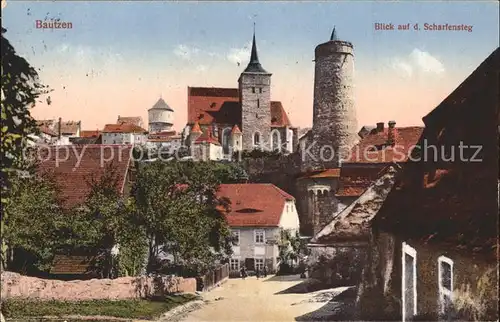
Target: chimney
{"x":59,"y":128}
{"x":380,"y":126}
{"x":390,"y":133}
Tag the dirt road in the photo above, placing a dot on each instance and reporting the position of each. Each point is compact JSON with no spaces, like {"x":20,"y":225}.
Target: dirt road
{"x":255,"y":299}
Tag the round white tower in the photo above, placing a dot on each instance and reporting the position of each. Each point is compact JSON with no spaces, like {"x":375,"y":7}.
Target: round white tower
{"x":334,"y":114}
{"x":160,"y":117}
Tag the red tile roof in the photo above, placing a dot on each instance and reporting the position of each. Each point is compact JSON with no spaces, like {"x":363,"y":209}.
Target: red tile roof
{"x":123,"y":128}
{"x":89,"y":133}
{"x":221,"y":105}
{"x":328,"y":173}
{"x":136,"y":120}
{"x":206,"y":137}
{"x":46,"y":130}
{"x":373,"y":149}
{"x":196,"y":128}
{"x":73,"y":165}
{"x":236,"y":130}
{"x":254,"y":204}
{"x":355,"y":180}
{"x":279,"y":118}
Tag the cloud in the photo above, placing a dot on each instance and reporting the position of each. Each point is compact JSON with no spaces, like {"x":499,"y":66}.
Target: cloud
{"x":185,"y":52}
{"x":239,"y":55}
{"x":418,"y":61}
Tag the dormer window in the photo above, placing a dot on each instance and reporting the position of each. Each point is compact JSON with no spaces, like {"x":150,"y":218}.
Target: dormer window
{"x":201,"y":116}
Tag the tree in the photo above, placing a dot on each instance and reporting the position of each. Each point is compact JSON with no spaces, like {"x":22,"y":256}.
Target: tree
{"x":34,"y":215}
{"x":108,"y":219}
{"x":177,"y":205}
{"x":292,"y":248}
{"x":20,"y":90}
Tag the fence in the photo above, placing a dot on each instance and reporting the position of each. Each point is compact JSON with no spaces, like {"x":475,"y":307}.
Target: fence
{"x":212,"y":278}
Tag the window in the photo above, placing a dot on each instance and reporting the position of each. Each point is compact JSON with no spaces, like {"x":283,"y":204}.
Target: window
{"x":409,"y":282}
{"x":445,"y":284}
{"x":259,"y":263}
{"x":234,"y":264}
{"x":236,"y":236}
{"x":253,"y":89}
{"x":226,"y":135}
{"x":259,"y":237}
{"x":260,"y":90}
{"x":276,"y":140}
{"x":256,"y":139}
{"x":258,"y":103}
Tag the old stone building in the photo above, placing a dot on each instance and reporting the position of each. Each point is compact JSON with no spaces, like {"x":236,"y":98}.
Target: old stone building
{"x":160,"y":117}
{"x":242,"y":118}
{"x":339,"y":162}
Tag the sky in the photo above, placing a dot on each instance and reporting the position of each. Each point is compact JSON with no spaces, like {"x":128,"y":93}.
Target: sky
{"x":119,"y":58}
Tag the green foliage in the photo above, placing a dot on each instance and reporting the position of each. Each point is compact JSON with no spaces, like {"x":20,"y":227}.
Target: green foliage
{"x":34,"y":216}
{"x":178,"y":208}
{"x":292,"y":249}
{"x":20,"y":90}
{"x":134,"y":309}
{"x":229,"y":173}
{"x":257,"y":153}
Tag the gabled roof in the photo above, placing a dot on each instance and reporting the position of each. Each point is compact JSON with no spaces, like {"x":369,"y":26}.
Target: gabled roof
{"x":70,"y":127}
{"x":207,"y":105}
{"x":327,"y":173}
{"x":73,"y":165}
{"x":373,"y":147}
{"x":136,"y":120}
{"x":235,"y":129}
{"x":161,"y":105}
{"x":353,"y":223}
{"x":279,"y":118}
{"x":89,"y":133}
{"x":206,"y":137}
{"x":46,"y":130}
{"x":355,"y":180}
{"x":123,"y":128}
{"x":454,"y":201}
{"x":254,"y":204}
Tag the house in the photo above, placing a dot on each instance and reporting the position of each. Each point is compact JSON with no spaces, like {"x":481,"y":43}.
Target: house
{"x":87,"y":137}
{"x":64,"y":130}
{"x":258,"y":213}
{"x":433,"y":243}
{"x":124,"y":133}
{"x":203,"y":146}
{"x":164,"y":142}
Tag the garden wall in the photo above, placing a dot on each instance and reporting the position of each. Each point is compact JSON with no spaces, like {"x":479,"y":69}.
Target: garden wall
{"x":17,"y":286}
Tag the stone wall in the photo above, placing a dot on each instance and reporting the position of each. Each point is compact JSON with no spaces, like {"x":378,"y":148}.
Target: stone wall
{"x":335,"y":266}
{"x":18,"y":286}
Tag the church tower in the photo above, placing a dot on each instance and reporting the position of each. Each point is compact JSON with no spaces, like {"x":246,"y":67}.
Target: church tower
{"x":255,"y":99}
{"x":334,"y":114}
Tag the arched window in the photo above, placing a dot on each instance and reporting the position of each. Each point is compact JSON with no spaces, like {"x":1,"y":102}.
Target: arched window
{"x":226,"y":138}
{"x":256,"y":139}
{"x":276,"y":140}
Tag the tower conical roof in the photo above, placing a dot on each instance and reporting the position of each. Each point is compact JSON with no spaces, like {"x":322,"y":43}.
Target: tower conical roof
{"x":161,"y":105}
{"x":254,"y":65}
{"x":333,"y":36}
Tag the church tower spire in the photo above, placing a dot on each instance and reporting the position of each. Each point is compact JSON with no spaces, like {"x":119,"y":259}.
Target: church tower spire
{"x":333,"y":36}
{"x":254,"y":65}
